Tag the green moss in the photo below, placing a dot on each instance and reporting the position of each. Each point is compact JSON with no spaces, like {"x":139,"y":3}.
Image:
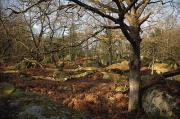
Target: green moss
{"x":121,"y":88}
{"x":6,"y":89}
{"x":33,"y":106}
{"x":18,"y":94}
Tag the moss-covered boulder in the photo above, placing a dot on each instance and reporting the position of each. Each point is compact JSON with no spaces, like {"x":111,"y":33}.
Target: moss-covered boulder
{"x":6,"y":89}
{"x":121,"y":88}
{"x":123,"y":66}
{"x":26,"y":105}
{"x":26,"y":63}
{"x":158,"y":103}
{"x":114,"y":76}
{"x":25,"y":76}
{"x":60,"y":75}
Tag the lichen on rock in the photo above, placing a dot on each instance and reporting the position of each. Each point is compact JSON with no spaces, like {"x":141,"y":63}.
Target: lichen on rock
{"x":20,"y":104}
{"x":158,"y":103}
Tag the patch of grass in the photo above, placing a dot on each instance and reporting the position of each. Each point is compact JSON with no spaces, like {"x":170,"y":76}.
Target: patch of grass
{"x":10,"y":67}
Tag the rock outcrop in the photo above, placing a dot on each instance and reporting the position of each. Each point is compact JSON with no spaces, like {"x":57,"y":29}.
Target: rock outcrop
{"x":158,"y":103}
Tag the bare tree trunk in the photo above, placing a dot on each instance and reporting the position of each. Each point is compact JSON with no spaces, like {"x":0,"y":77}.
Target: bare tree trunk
{"x":87,"y":48}
{"x":152,"y":67}
{"x":110,"y":58}
{"x":109,"y":35}
{"x":134,"y":79}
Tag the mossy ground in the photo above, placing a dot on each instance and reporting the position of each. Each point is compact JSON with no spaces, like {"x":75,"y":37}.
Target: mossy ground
{"x":91,"y":95}
{"x":20,"y":101}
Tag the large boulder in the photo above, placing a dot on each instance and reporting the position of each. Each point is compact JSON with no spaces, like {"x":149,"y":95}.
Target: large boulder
{"x":113,"y":76}
{"x":25,"y":105}
{"x":60,"y":75}
{"x":123,"y":68}
{"x":43,"y":112}
{"x":158,"y":103}
{"x":119,"y":67}
{"x":26,"y":63}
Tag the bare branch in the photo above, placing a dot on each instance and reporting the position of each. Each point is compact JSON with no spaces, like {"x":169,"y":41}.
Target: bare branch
{"x":142,"y":20}
{"x":139,"y":4}
{"x":19,"y":12}
{"x":61,"y":7}
{"x":78,"y":44}
{"x":120,"y":8}
{"x":130,"y":5}
{"x":111,"y":27}
{"x":107,"y":6}
{"x":161,"y":1}
{"x":141,"y":8}
{"x":94,"y":10}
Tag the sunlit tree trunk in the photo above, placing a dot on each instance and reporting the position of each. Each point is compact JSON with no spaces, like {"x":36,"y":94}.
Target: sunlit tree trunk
{"x":134,"y":80}
{"x":135,"y":76}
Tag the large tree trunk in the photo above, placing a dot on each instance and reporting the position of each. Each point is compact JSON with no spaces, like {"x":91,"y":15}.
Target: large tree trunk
{"x":134,"y":79}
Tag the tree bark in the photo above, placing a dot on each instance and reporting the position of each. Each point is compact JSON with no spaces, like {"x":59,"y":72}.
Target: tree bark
{"x":110,"y":57}
{"x":134,"y":79}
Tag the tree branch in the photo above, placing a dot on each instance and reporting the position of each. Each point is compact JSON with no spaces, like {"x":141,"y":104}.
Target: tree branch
{"x":161,"y":1}
{"x":114,"y":10}
{"x":120,"y":8}
{"x":141,"y":8}
{"x":142,"y":20}
{"x":19,"y":12}
{"x":78,"y":44}
{"x":94,"y":10}
{"x":111,"y":27}
{"x":61,"y":7}
{"x":131,"y":5}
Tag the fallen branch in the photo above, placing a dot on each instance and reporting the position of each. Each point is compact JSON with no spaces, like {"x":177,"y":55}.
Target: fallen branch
{"x":148,"y":81}
{"x":171,"y":73}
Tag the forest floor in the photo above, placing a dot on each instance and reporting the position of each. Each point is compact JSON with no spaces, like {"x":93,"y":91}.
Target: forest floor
{"x":90,"y":95}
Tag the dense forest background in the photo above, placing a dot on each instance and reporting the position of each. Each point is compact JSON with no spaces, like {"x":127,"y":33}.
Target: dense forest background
{"x":45,"y":34}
